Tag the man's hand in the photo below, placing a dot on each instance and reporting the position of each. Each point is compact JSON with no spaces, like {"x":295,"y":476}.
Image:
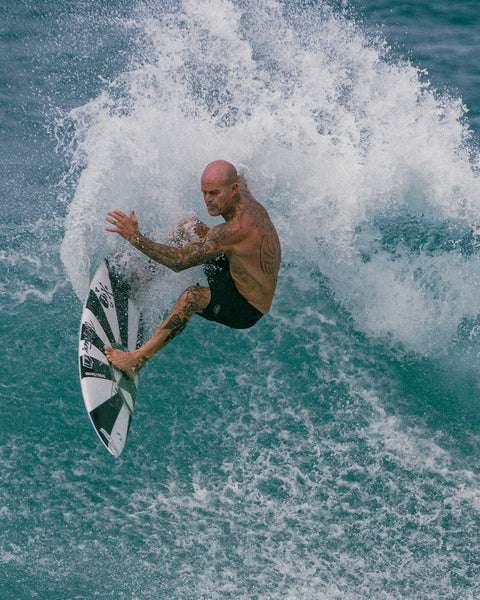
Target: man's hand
{"x":127,"y":227}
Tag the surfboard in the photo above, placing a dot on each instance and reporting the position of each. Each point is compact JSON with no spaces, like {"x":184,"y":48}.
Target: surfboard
{"x":110,"y":316}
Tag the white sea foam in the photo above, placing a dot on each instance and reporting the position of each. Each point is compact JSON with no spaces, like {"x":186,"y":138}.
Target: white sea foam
{"x":27,"y":271}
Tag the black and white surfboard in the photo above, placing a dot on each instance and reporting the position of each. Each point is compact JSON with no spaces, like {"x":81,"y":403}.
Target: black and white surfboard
{"x":110,"y":316}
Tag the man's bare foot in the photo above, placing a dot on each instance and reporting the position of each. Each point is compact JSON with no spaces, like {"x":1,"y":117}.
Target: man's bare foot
{"x":128,"y":362}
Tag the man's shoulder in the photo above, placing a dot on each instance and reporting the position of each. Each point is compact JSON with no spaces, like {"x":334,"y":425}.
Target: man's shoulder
{"x":227,"y":232}
{"x":257,"y":215}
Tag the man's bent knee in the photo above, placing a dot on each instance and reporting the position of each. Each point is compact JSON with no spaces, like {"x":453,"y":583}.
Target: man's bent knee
{"x":196,"y":298}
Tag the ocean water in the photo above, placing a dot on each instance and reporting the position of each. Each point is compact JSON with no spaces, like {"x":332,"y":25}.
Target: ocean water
{"x":331,"y":452}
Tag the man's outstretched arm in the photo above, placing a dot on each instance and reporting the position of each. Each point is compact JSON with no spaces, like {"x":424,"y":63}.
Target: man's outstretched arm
{"x":192,"y":254}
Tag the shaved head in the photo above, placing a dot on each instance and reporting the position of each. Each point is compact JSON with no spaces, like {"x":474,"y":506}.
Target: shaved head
{"x":221,"y":171}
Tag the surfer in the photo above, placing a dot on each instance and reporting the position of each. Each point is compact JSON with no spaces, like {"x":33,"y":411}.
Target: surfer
{"x":241,"y":259}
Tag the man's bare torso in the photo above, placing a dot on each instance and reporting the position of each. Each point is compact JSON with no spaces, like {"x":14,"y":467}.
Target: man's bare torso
{"x":255,"y":258}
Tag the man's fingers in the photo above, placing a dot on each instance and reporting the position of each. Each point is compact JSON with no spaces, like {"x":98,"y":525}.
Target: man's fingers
{"x":121,"y":222}
{"x":117,"y":214}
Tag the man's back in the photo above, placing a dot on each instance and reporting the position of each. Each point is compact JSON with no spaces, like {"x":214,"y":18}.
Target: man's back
{"x":255,"y":258}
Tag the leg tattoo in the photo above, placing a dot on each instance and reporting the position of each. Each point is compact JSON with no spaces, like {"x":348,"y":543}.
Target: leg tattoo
{"x":142,"y":361}
{"x":176,"y":325}
{"x":193,"y":300}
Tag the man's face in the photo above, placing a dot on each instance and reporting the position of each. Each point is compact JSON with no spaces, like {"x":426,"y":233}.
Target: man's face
{"x":218,"y":195}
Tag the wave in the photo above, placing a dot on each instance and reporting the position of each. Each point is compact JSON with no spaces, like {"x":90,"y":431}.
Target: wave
{"x":370,"y":175}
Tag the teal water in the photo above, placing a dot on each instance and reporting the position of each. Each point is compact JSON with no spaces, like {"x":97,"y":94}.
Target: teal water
{"x":332,"y":452}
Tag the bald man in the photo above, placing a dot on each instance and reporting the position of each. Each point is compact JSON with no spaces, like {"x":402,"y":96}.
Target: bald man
{"x":241,"y":259}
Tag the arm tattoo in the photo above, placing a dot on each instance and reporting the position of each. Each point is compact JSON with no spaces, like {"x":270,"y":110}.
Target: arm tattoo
{"x":192,"y":254}
{"x":269,"y":254}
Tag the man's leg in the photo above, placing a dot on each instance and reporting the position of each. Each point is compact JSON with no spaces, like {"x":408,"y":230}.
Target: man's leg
{"x":193,"y":300}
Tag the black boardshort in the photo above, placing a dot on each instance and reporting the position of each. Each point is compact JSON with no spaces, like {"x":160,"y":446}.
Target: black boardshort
{"x":227,"y":306}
